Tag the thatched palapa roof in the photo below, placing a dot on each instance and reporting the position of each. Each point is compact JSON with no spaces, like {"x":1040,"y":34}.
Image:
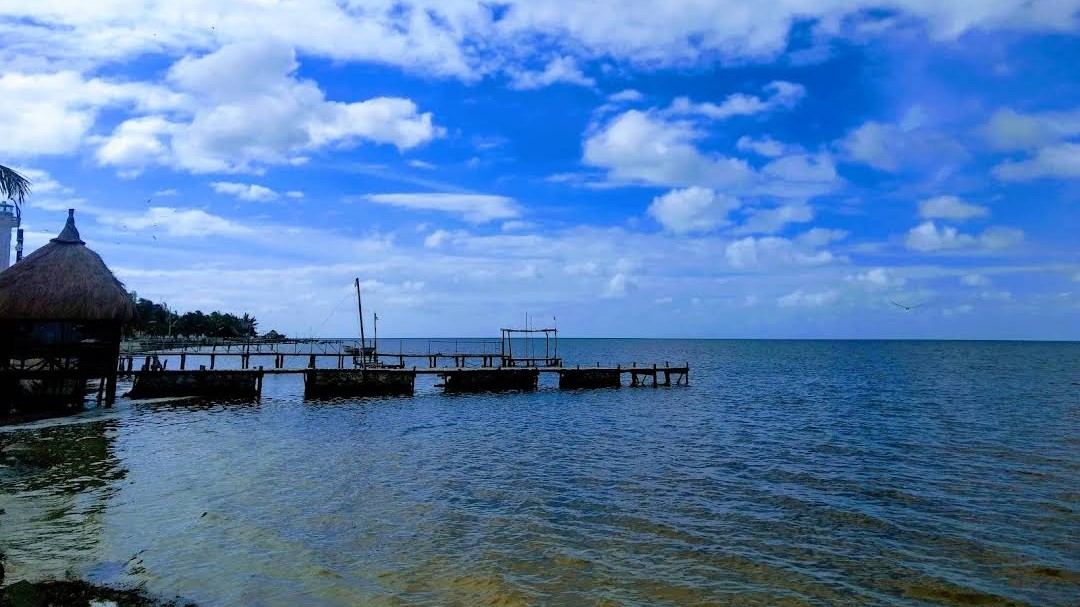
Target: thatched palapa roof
{"x":63,"y":280}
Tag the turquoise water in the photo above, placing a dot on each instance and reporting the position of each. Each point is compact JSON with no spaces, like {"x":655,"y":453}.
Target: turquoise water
{"x":787,"y":473}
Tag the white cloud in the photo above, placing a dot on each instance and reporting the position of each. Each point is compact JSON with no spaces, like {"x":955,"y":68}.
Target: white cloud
{"x":928,"y":236}
{"x":975,"y":280}
{"x":763,"y":146}
{"x":619,"y":286}
{"x":1055,"y":161}
{"x":243,"y":107}
{"x":165,"y":193}
{"x":460,"y":38}
{"x":625,"y":96}
{"x":294,"y":194}
{"x":245,"y":191}
{"x":53,"y":113}
{"x":1011,"y":130}
{"x":878,"y":278}
{"x":912,"y":142}
{"x":773,"y":251}
{"x":420,"y":164}
{"x":950,"y":207}
{"x":641,"y":147}
{"x":1001,"y":238}
{"x":176,"y":222}
{"x":558,"y":70}
{"x":958,"y":310}
{"x":436,"y":239}
{"x":41,"y":182}
{"x":819,"y":237}
{"x":871,"y":144}
{"x":804,"y":299}
{"x":693,"y":209}
{"x":774,"y":219}
{"x":516,"y":225}
{"x":799,"y":176}
{"x":780,"y":95}
{"x":473,"y":208}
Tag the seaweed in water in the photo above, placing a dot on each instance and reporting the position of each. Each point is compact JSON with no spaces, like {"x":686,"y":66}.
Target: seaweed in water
{"x":80,"y":593}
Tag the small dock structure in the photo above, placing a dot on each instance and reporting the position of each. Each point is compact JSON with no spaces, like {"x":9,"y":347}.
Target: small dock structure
{"x":224,"y":384}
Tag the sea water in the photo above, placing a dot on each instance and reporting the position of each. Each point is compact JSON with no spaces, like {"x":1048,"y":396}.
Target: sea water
{"x":786,"y":473}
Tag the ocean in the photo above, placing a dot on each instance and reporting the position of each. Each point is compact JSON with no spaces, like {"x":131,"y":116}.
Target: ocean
{"x":786,"y":473}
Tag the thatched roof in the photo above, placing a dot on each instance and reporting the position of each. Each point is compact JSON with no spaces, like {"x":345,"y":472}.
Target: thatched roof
{"x":63,"y":280}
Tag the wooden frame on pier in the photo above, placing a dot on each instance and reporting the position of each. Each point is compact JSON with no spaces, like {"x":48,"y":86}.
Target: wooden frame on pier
{"x":550,"y":359}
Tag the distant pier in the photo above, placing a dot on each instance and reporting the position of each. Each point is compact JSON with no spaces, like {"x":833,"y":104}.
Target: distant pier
{"x":368,"y":373}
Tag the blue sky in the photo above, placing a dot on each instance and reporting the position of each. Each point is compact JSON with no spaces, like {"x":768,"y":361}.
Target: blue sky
{"x":780,"y":168}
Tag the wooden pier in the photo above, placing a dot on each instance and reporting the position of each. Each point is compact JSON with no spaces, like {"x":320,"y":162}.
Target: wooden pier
{"x":354,"y":371}
{"x":400,"y":382}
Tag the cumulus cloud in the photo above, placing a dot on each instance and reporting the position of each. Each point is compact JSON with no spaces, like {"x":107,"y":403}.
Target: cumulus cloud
{"x":774,"y":219}
{"x":693,"y":209}
{"x":436,"y":37}
{"x":176,"y":222}
{"x":651,"y":147}
{"x":243,"y":108}
{"x":473,"y":208}
{"x":763,"y":146}
{"x":950,"y":207}
{"x":245,"y":191}
{"x":811,"y":299}
{"x":819,"y":237}
{"x":928,"y":236}
{"x":619,"y":286}
{"x":1056,"y":161}
{"x":626,"y":96}
{"x":53,"y":113}
{"x":779,"y":95}
{"x":1011,"y":130}
{"x":975,"y":280}
{"x":558,"y":70}
{"x":878,"y":278}
{"x":911,"y":143}
{"x":643,"y":147}
{"x":773,"y":251}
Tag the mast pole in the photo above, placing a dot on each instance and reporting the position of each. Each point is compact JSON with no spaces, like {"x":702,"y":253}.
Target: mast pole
{"x":360,"y":310}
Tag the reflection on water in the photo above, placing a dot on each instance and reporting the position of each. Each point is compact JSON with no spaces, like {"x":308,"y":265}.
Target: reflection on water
{"x":787,"y":473}
{"x":55,"y":484}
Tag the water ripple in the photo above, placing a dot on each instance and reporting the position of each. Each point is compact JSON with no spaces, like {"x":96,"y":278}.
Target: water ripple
{"x":787,"y":473}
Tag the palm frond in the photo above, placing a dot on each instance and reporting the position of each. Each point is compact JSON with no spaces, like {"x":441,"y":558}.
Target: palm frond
{"x":13,"y":185}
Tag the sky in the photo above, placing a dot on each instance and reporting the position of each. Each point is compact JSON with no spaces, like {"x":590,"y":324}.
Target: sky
{"x":656,"y":168}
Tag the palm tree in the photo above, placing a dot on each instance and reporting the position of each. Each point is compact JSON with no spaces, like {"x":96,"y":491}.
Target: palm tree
{"x":13,"y":185}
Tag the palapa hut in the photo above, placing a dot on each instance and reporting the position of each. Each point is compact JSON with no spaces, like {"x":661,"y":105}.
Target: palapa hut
{"x":61,"y":312}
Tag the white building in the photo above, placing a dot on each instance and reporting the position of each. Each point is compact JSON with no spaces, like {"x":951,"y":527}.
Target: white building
{"x":9,"y":221}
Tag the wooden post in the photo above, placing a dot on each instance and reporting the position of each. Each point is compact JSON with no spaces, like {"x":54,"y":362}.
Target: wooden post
{"x":183,"y":361}
{"x":311,"y":362}
{"x":213,"y":358}
{"x":110,"y":389}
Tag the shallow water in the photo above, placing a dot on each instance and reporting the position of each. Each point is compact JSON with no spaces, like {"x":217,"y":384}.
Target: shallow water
{"x":787,"y":473}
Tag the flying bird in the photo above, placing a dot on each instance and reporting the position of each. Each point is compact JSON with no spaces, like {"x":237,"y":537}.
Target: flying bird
{"x":911,"y":307}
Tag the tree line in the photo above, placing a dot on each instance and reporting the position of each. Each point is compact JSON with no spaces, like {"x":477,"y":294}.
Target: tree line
{"x":157,"y":319}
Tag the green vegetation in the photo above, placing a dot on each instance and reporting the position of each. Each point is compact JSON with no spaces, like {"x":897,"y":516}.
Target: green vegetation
{"x":157,"y":319}
{"x":13,"y":185}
